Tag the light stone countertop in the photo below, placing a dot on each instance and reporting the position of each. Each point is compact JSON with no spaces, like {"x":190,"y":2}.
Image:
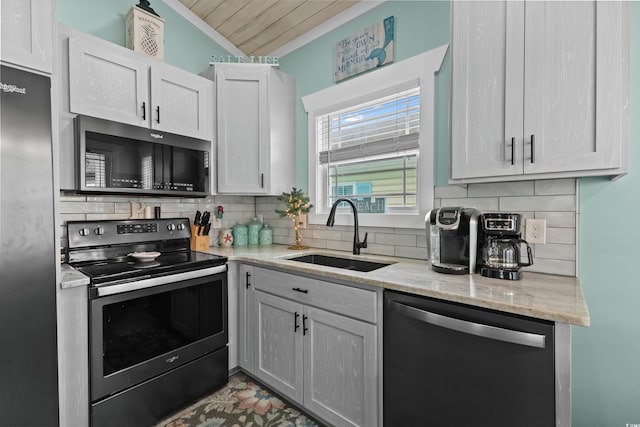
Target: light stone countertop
{"x":71,"y":277}
{"x":543,"y":296}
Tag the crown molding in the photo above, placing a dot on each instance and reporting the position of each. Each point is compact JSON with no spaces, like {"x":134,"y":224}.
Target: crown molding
{"x":202,"y":26}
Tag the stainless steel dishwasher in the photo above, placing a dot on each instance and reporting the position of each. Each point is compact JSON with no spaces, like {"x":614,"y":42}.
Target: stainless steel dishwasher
{"x":449,"y":364}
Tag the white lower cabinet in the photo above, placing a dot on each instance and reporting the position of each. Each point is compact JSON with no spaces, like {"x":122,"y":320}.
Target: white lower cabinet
{"x":312,"y":350}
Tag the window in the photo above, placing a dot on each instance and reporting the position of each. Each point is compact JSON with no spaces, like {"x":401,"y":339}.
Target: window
{"x":370,"y":150}
{"x":371,"y":140}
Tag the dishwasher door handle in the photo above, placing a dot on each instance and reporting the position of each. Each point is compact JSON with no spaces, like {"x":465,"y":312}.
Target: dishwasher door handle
{"x":478,"y":329}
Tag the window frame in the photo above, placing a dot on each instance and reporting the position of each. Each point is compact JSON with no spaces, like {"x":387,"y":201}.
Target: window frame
{"x":417,"y":70}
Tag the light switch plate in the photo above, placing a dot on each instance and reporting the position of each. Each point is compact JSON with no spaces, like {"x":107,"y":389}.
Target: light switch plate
{"x":536,"y":231}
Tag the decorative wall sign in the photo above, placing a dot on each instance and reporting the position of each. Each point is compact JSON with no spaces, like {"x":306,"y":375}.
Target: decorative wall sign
{"x":365,"y":50}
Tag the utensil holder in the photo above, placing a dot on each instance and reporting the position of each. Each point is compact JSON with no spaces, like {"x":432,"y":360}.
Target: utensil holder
{"x":199,"y":243}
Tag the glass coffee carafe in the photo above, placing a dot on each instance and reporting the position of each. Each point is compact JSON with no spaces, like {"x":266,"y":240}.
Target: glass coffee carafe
{"x":504,"y":253}
{"x":501,"y":246}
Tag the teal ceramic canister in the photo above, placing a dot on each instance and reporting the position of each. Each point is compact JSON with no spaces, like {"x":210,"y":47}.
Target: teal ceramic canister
{"x":254,"y":227}
{"x":266,"y":235}
{"x":240,"y":235}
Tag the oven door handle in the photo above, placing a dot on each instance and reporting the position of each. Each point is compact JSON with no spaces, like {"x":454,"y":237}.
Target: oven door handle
{"x":134,"y":284}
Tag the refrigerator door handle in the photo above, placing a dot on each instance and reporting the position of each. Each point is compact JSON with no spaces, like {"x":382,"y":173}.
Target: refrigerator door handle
{"x":472,"y":328}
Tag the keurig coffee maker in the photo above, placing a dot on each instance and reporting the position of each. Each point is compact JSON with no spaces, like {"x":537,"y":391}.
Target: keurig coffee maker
{"x":452,"y":239}
{"x":500,"y":241}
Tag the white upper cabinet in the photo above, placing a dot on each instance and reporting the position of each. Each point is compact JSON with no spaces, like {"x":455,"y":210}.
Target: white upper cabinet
{"x":113,"y":83}
{"x":539,"y":90}
{"x":27,"y":33}
{"x":255,"y":127}
{"x":181,"y":102}
{"x":107,"y":83}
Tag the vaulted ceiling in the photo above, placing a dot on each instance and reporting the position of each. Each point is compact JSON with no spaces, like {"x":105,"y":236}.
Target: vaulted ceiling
{"x":260,"y":27}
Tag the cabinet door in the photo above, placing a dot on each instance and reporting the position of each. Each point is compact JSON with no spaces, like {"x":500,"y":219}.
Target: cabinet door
{"x":486,"y":89}
{"x":180,"y":102}
{"x":107,"y":83}
{"x":27,"y":33}
{"x":278,"y":344}
{"x":246,"y":324}
{"x":243,"y":130}
{"x":340,"y":369}
{"x":571,"y":57}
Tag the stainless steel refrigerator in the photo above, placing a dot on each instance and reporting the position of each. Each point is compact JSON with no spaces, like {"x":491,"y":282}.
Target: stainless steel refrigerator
{"x":28,"y":355}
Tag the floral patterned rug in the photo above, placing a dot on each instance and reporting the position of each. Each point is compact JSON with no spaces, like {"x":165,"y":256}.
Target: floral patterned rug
{"x":240,"y":403}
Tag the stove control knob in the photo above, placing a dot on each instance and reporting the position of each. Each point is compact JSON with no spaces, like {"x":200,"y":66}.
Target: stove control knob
{"x":99,"y":231}
{"x":180,"y":226}
{"x":171,"y":227}
{"x":84,"y":232}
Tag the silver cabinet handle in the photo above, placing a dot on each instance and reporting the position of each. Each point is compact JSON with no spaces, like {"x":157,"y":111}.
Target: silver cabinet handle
{"x":478,"y":329}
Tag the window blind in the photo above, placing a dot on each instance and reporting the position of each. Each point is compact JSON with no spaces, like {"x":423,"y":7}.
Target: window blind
{"x":387,"y":125}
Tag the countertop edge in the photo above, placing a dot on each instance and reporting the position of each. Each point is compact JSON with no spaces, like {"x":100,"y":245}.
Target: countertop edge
{"x":71,"y":278}
{"x":278,"y":259}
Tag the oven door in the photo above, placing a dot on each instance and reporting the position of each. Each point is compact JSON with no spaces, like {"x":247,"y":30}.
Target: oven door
{"x":137,"y":335}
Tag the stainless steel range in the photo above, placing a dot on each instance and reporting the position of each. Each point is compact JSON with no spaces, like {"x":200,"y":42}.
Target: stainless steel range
{"x":157,"y":318}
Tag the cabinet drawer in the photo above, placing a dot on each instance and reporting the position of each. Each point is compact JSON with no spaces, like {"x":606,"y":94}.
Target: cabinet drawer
{"x":342,"y":299}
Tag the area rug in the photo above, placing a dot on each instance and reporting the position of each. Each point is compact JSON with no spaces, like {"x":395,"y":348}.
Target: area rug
{"x":241,"y":402}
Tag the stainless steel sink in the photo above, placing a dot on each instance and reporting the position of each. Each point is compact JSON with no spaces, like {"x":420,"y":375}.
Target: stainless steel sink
{"x":337,"y":262}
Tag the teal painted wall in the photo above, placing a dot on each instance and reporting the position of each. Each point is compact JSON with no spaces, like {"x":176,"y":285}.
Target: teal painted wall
{"x":185,"y":46}
{"x":420,"y":26}
{"x":606,"y":356}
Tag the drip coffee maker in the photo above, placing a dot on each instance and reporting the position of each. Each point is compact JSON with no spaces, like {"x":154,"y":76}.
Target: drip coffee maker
{"x":501,"y":241}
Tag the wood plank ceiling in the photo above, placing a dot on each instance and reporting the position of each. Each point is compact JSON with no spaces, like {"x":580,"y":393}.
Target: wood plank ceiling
{"x":259,"y":27}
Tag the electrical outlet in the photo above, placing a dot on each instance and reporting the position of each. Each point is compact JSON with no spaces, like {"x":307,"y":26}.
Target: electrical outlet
{"x":536,"y":231}
{"x":302,"y":221}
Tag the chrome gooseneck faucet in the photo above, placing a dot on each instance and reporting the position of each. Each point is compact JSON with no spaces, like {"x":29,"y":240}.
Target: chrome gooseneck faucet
{"x":357,"y":244}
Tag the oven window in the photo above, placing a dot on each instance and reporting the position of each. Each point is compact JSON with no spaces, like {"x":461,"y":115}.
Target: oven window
{"x":139,"y":329}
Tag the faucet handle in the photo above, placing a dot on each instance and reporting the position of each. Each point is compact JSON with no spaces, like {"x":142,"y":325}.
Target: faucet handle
{"x":363,"y":244}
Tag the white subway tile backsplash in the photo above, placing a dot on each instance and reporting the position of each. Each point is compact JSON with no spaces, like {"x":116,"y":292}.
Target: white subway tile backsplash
{"x":558,"y":219}
{"x":555,"y":251}
{"x":485,"y":204}
{"x":396,"y":239}
{"x":555,"y":186}
{"x":519,"y":188}
{"x":86,"y":208}
{"x":566,"y":236}
{"x":378,"y":249}
{"x":450,"y":192}
{"x":325,"y":234}
{"x":553,"y":200}
{"x":551,"y":266}
{"x":339,"y":245}
{"x":566,"y":203}
{"x":411,"y":252}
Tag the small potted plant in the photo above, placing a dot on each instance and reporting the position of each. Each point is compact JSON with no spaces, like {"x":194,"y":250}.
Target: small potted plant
{"x":297,"y":204}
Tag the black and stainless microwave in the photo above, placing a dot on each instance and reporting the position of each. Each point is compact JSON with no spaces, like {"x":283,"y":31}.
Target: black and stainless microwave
{"x":118,"y":158}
